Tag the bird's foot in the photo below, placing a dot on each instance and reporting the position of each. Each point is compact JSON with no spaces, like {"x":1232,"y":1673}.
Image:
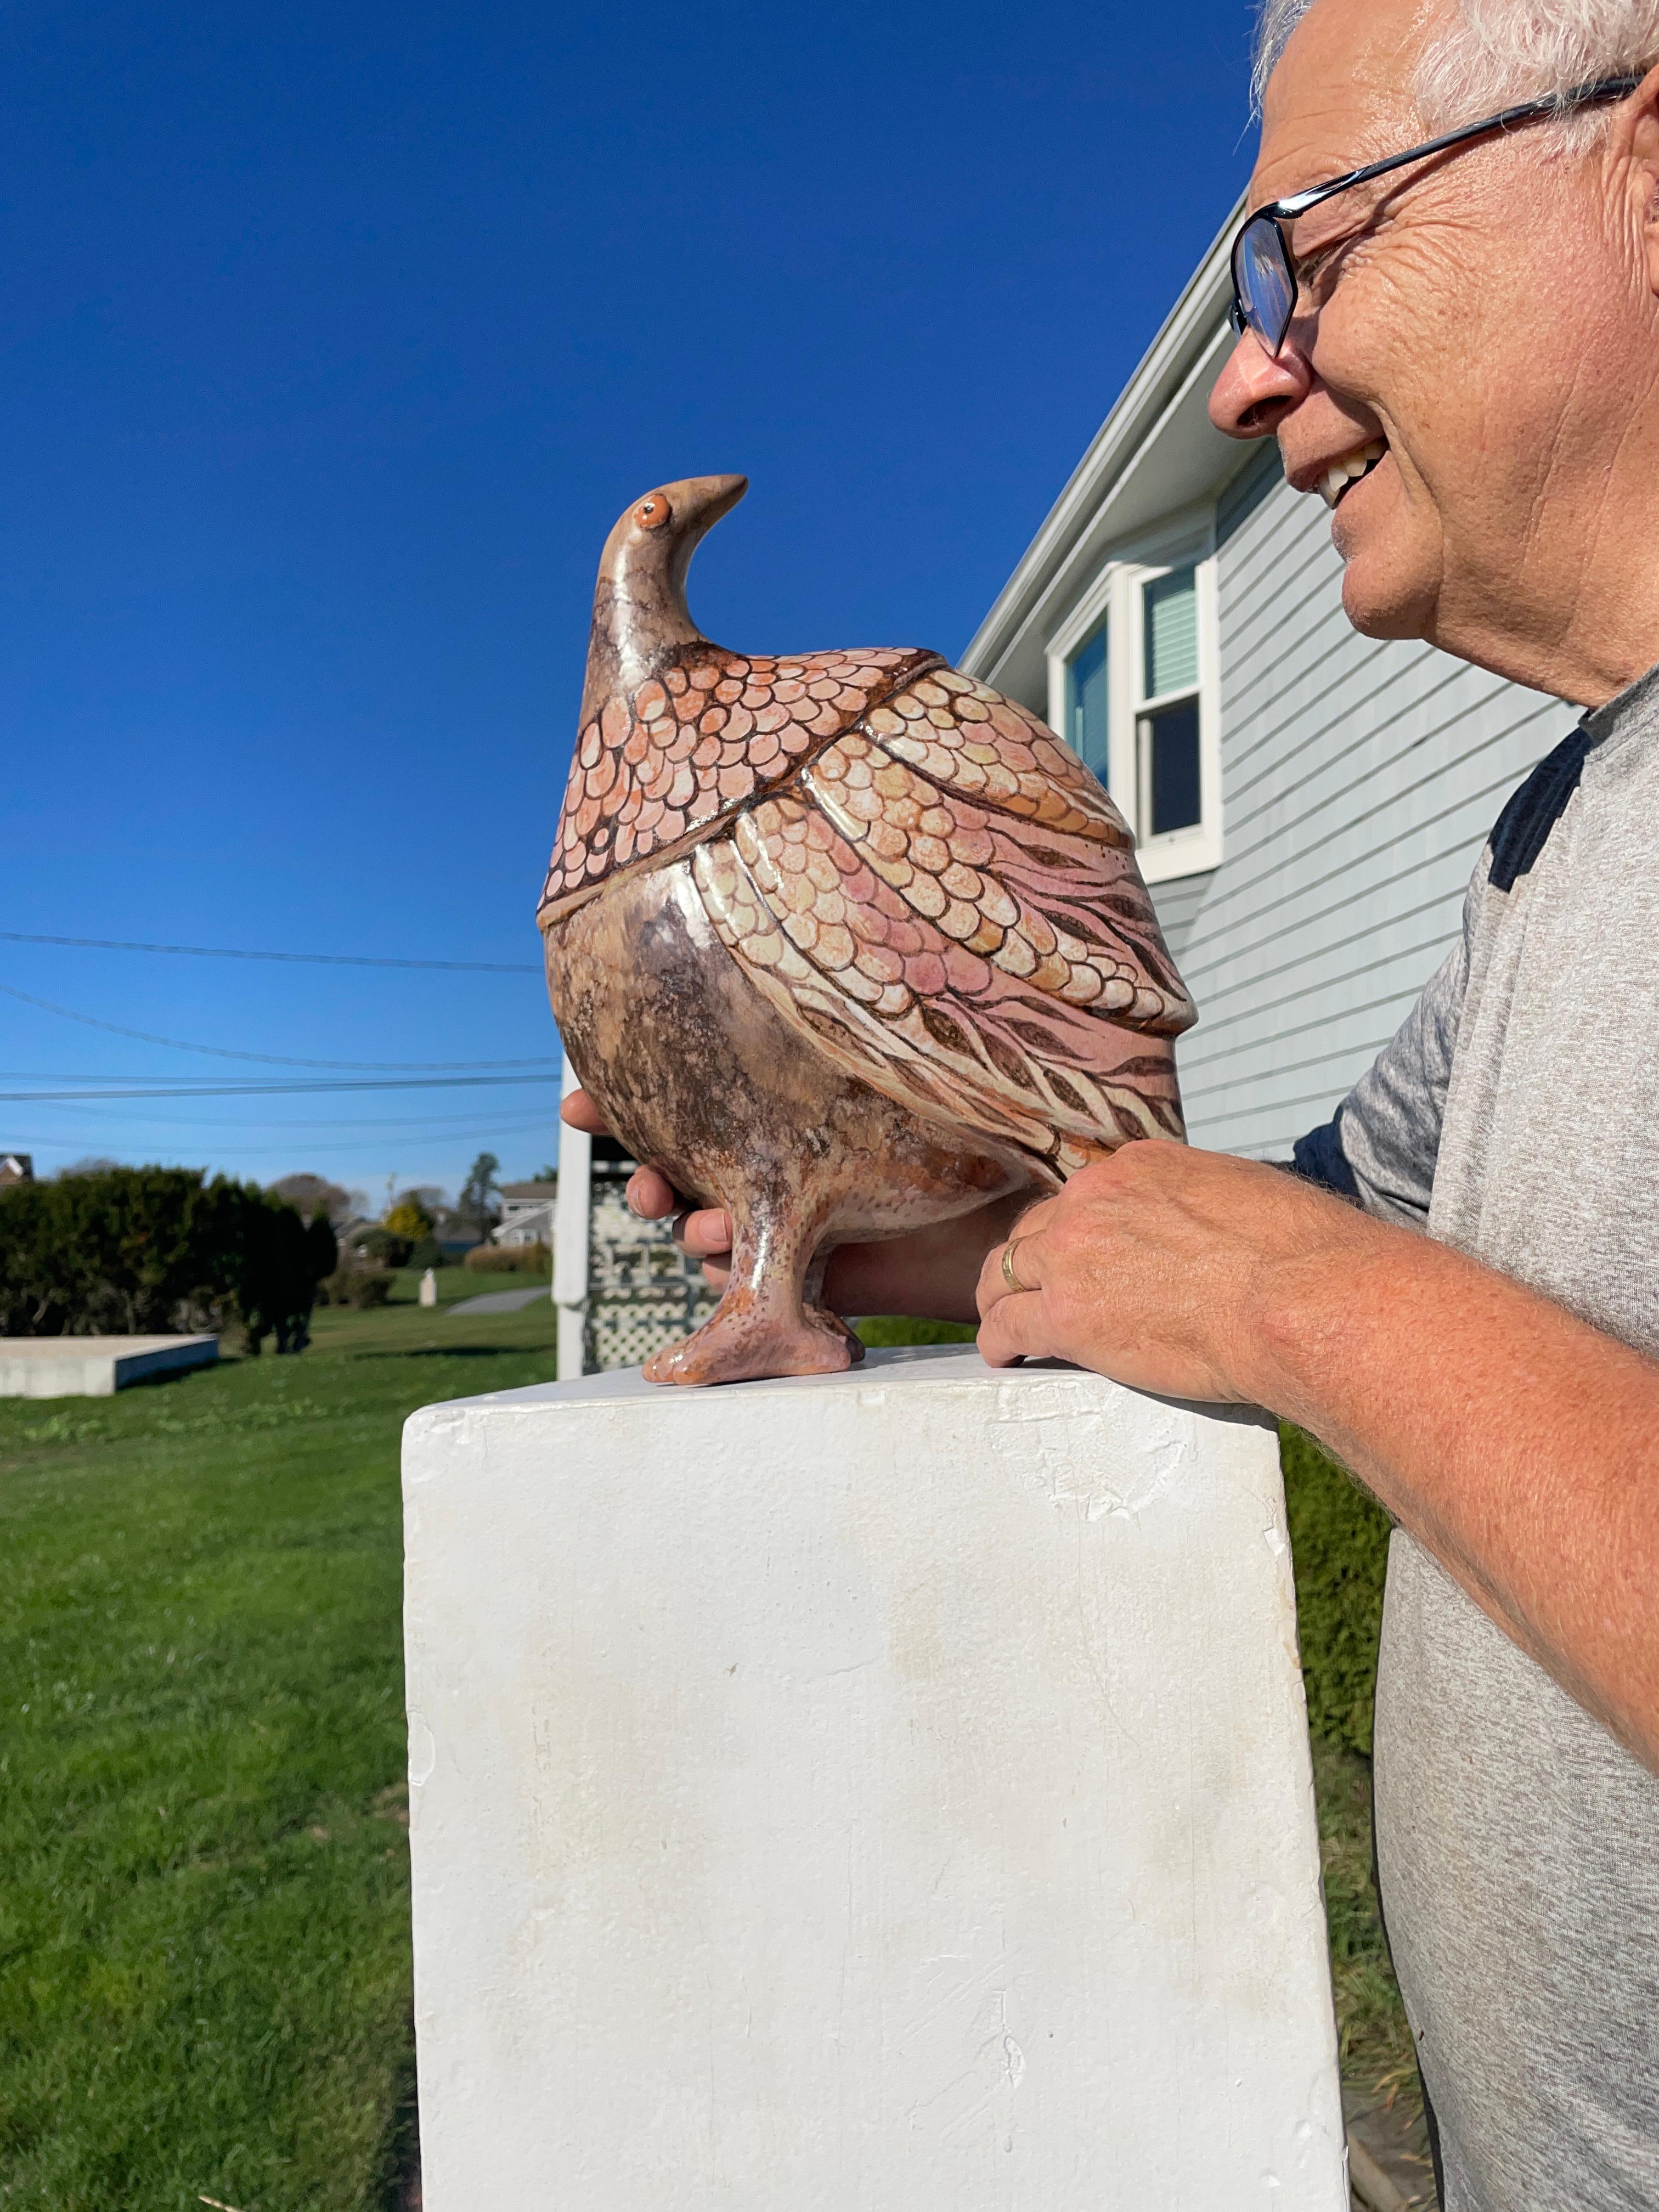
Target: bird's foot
{"x":743,"y":1341}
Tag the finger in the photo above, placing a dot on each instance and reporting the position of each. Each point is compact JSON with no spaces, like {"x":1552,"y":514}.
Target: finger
{"x":651,"y":1195}
{"x":1016,"y":1328}
{"x":1021,"y":1256}
{"x":578,"y":1111}
{"x":704,"y":1233}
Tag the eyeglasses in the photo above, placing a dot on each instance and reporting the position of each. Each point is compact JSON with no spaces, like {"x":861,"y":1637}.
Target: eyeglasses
{"x":1265,"y":286}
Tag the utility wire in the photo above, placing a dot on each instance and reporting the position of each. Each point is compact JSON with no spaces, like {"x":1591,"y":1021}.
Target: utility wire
{"x":84,"y":1098}
{"x":316,"y":959}
{"x":275,"y":1058}
{"x":455,"y":1123}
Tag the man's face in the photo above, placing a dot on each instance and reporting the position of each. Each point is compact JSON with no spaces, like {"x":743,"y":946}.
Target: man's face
{"x":1463,"y":313}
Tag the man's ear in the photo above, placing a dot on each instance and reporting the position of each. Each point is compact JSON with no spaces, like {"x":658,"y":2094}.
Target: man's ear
{"x":1644,"y":164}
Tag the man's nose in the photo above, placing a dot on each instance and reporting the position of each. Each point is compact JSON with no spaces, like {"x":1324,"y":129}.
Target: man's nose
{"x":1257,"y":389}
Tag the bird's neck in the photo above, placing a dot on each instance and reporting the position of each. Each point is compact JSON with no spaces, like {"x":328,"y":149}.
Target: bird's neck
{"x":639,"y":617}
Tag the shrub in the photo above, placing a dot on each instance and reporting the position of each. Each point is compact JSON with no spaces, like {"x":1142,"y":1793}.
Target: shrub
{"x":360,"y":1287}
{"x":383,"y":1246}
{"x":136,"y":1251}
{"x":509,"y":1260}
{"x":1340,"y":1546}
{"x":428,"y":1253}
{"x":324,"y":1244}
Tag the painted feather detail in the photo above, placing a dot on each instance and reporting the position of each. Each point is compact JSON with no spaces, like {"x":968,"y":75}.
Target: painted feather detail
{"x":696,"y":740}
{"x":948,"y":902}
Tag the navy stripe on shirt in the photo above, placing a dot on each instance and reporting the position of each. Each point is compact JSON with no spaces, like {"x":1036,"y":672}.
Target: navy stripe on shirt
{"x":1524,"y":826}
{"x":1319,"y":1157}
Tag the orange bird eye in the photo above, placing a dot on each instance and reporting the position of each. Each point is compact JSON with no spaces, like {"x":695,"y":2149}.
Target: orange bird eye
{"x":651,"y":514}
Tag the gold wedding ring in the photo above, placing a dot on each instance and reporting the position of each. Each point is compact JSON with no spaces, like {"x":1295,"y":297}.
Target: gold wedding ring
{"x":1009,"y":1276}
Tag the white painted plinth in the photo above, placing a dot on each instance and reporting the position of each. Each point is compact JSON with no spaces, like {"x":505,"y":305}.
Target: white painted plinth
{"x":94,"y":1366}
{"x":881,"y":1794}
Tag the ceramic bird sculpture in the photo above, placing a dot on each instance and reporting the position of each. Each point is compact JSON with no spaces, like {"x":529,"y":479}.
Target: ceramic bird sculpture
{"x":846,"y":942}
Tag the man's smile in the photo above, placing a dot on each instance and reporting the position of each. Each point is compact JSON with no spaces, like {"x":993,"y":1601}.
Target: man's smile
{"x":1340,"y":477}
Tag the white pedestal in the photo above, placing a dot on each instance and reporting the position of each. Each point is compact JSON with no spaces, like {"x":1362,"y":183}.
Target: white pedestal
{"x":94,"y":1366}
{"x":887,"y":1793}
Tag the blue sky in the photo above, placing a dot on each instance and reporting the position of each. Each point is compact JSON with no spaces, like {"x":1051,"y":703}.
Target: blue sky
{"x":334,"y":340}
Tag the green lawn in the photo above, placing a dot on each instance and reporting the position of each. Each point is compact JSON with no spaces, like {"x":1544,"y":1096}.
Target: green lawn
{"x":203,"y":1921}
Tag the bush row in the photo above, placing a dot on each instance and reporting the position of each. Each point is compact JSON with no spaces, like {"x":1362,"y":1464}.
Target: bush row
{"x":144,"y":1251}
{"x":509,"y":1260}
{"x":357,"y":1287}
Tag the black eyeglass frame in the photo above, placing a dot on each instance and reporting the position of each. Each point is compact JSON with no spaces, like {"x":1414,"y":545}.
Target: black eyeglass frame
{"x":1277,"y":213}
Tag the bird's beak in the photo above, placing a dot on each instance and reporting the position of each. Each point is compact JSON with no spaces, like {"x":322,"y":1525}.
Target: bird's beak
{"x":700,"y":502}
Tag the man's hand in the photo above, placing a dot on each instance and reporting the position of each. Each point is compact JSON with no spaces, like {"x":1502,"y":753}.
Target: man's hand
{"x":929,"y":1274}
{"x":1157,"y":1267}
{"x":702,"y":1234}
{"x":1513,"y":1440}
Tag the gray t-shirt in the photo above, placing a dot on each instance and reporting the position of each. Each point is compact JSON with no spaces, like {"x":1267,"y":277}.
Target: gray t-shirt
{"x":1516,"y":1115}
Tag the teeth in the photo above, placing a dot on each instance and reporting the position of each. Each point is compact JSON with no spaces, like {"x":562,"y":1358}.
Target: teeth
{"x":1340,"y":474}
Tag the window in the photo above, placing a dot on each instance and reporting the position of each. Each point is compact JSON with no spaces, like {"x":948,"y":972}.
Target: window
{"x":1131,"y":685}
{"x":1168,"y":772}
{"x":1088,"y":717}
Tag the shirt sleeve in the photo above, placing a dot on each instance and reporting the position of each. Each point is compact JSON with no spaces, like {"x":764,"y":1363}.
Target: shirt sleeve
{"x":1380,"y":1146}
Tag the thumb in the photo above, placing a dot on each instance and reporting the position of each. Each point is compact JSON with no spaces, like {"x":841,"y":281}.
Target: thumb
{"x":578,"y":1111}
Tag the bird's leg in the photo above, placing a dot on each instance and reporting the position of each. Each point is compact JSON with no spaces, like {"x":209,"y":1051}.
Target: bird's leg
{"x":771,"y":1320}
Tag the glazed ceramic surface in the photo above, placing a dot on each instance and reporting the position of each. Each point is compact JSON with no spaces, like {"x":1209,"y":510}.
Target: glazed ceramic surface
{"x":846,"y":942}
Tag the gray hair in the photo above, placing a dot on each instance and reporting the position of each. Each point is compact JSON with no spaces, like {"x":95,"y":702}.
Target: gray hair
{"x":1496,"y":53}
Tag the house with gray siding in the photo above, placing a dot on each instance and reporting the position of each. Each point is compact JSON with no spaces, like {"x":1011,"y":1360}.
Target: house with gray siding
{"x":1308,"y":804}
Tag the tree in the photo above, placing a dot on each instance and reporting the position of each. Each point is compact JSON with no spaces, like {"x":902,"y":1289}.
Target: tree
{"x":325,"y":1246}
{"x":409,"y":1219}
{"x":313,"y":1194}
{"x":133,"y":1251}
{"x":474,"y":1204}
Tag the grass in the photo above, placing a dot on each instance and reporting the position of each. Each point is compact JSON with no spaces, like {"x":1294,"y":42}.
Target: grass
{"x":204,"y":1925}
{"x":1339,"y":1546}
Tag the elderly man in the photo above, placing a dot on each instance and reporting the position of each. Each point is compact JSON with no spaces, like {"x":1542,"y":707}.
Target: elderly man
{"x":1458,"y":347}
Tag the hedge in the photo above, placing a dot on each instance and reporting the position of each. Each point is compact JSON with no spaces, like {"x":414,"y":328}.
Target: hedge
{"x":144,"y":1251}
{"x":508,"y":1260}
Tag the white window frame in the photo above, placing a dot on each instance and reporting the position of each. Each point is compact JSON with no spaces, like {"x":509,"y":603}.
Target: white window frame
{"x":1115,"y":597}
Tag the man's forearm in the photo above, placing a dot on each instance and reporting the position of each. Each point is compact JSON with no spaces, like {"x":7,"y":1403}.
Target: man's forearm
{"x":1519,"y":1444}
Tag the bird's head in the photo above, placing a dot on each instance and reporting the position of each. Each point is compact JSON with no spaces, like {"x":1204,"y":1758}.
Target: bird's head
{"x":639,"y":602}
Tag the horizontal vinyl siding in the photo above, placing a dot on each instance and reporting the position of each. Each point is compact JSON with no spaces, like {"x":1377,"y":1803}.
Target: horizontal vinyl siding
{"x":1359,"y":782}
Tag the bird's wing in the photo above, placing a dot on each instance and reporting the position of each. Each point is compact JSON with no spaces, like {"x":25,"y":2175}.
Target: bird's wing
{"x":696,"y":740}
{"x":968,"y":739}
{"x":993,"y":962}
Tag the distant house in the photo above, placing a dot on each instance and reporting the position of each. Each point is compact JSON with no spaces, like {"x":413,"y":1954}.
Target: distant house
{"x":1308,"y":804}
{"x":528,"y":1212}
{"x":456,"y":1237}
{"x":15,"y":1167}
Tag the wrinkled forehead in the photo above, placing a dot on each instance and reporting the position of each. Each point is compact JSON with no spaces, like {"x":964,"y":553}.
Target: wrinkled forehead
{"x":1342,"y":92}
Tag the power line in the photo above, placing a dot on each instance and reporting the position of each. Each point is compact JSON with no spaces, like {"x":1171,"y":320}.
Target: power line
{"x":459,"y":1124}
{"x":355,"y":1144}
{"x":399,"y":1146}
{"x":85,"y":1098}
{"x":271,"y":1059}
{"x":315,"y":959}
